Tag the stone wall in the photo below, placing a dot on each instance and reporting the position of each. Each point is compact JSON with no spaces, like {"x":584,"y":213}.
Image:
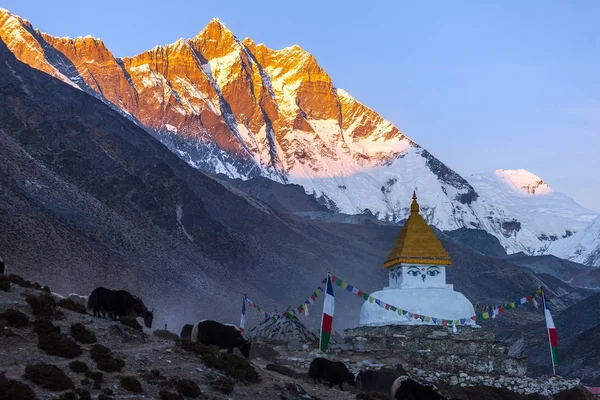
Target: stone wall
{"x":547,"y":385}
{"x":434,"y":348}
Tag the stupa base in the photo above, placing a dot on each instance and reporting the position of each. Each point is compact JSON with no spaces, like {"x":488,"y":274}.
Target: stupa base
{"x":436,"y":348}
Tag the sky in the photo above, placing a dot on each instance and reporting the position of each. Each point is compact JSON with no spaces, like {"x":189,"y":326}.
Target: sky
{"x":481,"y":85}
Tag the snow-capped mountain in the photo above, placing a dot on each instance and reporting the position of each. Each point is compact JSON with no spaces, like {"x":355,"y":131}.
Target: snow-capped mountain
{"x":583,"y":247}
{"x":528,"y":211}
{"x":239,"y":108}
{"x":235,"y":107}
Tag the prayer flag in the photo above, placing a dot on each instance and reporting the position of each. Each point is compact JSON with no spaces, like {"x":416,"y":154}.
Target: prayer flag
{"x":243,"y":317}
{"x":552,"y":336}
{"x":327,"y":319}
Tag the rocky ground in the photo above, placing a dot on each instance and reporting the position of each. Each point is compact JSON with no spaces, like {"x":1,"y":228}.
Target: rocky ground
{"x":52,"y":349}
{"x":158,"y":363}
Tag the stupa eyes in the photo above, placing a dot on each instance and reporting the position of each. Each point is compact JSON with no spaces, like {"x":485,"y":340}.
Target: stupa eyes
{"x":413,"y":271}
{"x":433,"y":271}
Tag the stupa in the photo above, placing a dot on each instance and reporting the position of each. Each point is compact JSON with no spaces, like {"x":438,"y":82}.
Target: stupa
{"x":417,"y":281}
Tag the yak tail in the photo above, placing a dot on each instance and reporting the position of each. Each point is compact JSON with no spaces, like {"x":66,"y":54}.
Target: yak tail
{"x":92,"y":300}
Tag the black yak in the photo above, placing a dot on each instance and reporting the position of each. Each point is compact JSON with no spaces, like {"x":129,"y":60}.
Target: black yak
{"x":376,"y":380}
{"x":118,"y":303}
{"x":186,"y":332}
{"x":224,"y":336}
{"x":406,"y":388}
{"x":335,"y":372}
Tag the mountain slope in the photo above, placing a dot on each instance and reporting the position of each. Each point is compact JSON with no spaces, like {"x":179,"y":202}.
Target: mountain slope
{"x":568,"y":271}
{"x":530,"y":214}
{"x":578,"y":332}
{"x":242,"y":109}
{"x":89,"y":198}
{"x":238,"y":108}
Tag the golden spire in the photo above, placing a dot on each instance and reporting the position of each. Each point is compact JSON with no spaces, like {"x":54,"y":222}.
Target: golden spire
{"x":414,"y":207}
{"x":417,"y":243}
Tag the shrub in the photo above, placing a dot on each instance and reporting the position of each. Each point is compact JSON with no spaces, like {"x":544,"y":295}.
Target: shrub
{"x":223,"y":385}
{"x":82,"y":334}
{"x":154,"y":377}
{"x":170,"y":396}
{"x":78,"y":367}
{"x":79,"y":394}
{"x":99,"y":351}
{"x":188,"y":388}
{"x":15,"y":390}
{"x":84,"y":394}
{"x":104,"y":359}
{"x":15,"y":318}
{"x":69,"y":304}
{"x":59,"y":345}
{"x":68,"y":396}
{"x":131,"y":384}
{"x":48,"y":376}
{"x":4,"y":283}
{"x":42,"y":305}
{"x":20,"y":281}
{"x":110,"y":364}
{"x":239,"y":368}
{"x":95,"y":376}
{"x":44,"y":326}
{"x":371,"y":396}
{"x":232,"y":365}
{"x":165,"y":334}
{"x":195,"y":347}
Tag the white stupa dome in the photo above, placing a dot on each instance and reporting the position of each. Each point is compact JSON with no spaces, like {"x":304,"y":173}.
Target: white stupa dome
{"x":439,"y":303}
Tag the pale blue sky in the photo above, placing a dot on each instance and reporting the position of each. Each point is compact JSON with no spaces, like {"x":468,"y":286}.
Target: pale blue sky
{"x":480,"y":84}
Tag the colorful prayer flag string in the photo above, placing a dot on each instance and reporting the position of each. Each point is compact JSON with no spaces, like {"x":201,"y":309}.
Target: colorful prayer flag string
{"x":410,"y":315}
{"x":291,"y":311}
{"x":491,"y":311}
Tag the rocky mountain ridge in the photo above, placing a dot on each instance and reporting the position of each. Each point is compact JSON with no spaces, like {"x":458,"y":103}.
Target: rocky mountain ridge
{"x":232,"y":106}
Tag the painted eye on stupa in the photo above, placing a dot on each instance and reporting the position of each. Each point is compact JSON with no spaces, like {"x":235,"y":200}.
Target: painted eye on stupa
{"x":414,"y":271}
{"x":433,"y":271}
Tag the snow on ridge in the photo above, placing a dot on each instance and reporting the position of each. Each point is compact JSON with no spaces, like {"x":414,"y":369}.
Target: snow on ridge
{"x":538,"y":219}
{"x":342,"y":93}
{"x":523,"y":181}
{"x":387,"y":192}
{"x":171,"y":128}
{"x":583,"y":247}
